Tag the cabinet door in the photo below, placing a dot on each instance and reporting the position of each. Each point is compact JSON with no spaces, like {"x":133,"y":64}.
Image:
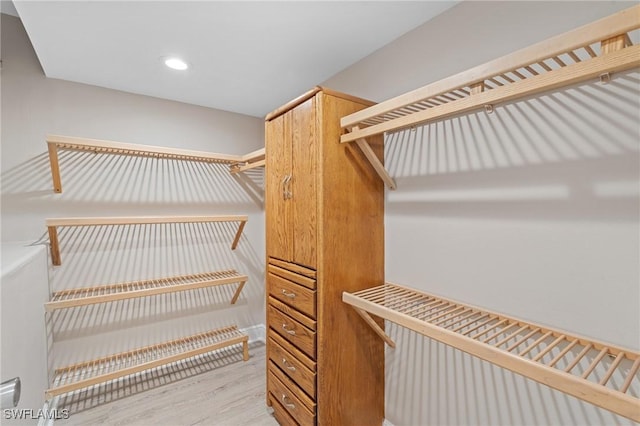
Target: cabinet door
{"x":279,"y":234}
{"x":304,"y":183}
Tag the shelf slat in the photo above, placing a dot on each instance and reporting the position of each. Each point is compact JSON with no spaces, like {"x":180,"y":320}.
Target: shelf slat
{"x":55,"y":223}
{"x":96,"y":146}
{"x":538,"y":343}
{"x":533,"y":70}
{"x":129,"y":290}
{"x":78,"y":376}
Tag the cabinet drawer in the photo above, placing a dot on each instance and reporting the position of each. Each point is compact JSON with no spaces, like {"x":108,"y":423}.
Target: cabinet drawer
{"x":291,"y":397}
{"x":296,"y":333}
{"x":302,"y":279}
{"x":293,"y":368}
{"x":294,"y":295}
{"x":280,"y":413}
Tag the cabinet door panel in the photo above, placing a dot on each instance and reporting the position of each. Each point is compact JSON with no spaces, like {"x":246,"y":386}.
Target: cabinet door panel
{"x":277,"y":207}
{"x":304,"y":183}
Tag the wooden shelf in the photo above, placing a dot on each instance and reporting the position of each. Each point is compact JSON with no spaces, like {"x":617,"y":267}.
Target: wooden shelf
{"x":129,"y":290}
{"x":249,"y":161}
{"x":56,"y":143}
{"x":596,"y":372}
{"x":592,"y":51}
{"x":54,"y":224}
{"x":102,"y":370}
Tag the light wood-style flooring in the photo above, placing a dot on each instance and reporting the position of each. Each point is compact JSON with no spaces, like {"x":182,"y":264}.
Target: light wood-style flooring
{"x":217,"y":389}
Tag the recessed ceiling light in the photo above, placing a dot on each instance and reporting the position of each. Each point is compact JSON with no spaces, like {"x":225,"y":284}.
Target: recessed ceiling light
{"x":176,"y":63}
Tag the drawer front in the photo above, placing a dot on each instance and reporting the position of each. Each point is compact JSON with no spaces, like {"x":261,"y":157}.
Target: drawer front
{"x":292,"y":294}
{"x":280,"y":413}
{"x":293,"y":368}
{"x":296,"y":333}
{"x":289,"y":396}
{"x":299,"y":270}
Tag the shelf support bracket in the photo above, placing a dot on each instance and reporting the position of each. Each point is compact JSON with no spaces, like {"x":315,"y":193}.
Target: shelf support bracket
{"x":54,"y":245}
{"x":375,"y":162}
{"x":236,"y":240}
{"x":55,"y":167}
{"x":379,"y":331}
{"x":234,"y":299}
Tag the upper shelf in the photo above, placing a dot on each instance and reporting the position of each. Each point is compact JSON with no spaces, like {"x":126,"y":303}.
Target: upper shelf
{"x":249,"y":161}
{"x":596,"y":372}
{"x":591,"y":51}
{"x":53,"y":224}
{"x":68,"y":143}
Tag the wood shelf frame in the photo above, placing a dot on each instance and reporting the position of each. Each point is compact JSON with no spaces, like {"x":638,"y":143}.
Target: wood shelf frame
{"x":56,"y":143}
{"x":545,"y":355}
{"x":249,"y":161}
{"x":54,"y":224}
{"x":560,"y":61}
{"x":129,"y":290}
{"x":106,"y":369}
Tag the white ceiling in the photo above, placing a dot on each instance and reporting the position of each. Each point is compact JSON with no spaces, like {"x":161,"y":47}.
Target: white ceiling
{"x":246,"y":57}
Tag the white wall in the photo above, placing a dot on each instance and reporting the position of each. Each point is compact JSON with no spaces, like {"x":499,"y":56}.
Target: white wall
{"x":99,"y":185}
{"x":531,"y":211}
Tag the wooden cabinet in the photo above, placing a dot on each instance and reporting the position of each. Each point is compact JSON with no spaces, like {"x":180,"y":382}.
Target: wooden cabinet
{"x":292,"y":203}
{"x":324,"y":234}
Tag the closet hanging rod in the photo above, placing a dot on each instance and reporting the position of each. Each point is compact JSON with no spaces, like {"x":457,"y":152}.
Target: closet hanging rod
{"x":53,"y":225}
{"x":534,"y":351}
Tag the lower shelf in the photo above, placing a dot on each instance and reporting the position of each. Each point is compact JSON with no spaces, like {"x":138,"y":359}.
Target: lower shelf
{"x":112,"y":367}
{"x":110,"y":293}
{"x":595,"y":372}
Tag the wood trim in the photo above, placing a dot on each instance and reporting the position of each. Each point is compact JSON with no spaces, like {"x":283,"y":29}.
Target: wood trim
{"x":615,"y":61}
{"x":599,"y":395}
{"x":229,"y":336}
{"x":348,"y":97}
{"x":130,"y":290}
{"x":293,"y":267}
{"x":310,"y":94}
{"x":293,"y":103}
{"x":621,"y":22}
{"x":291,"y":276}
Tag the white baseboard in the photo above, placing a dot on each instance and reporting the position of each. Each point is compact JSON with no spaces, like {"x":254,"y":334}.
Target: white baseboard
{"x":256,"y":333}
{"x":387,"y":423}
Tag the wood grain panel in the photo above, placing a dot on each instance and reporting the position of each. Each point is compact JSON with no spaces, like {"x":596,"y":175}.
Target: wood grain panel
{"x":279,"y":412}
{"x":351,"y":255}
{"x":298,"y":316}
{"x":277,"y":208}
{"x":308,"y":362}
{"x":291,"y":276}
{"x":294,"y":368}
{"x":293,"y":331}
{"x":304,"y":187}
{"x":290,"y":401}
{"x":292,"y":294}
{"x":310,"y":273}
{"x":293,"y":387}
